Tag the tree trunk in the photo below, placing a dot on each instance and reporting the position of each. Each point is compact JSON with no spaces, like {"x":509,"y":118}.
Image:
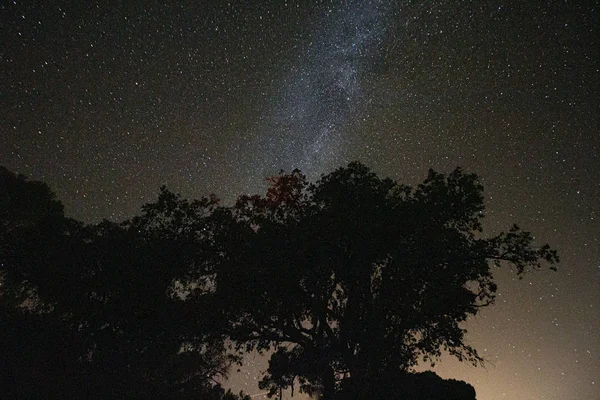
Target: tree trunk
{"x":359,"y":378}
{"x":328,"y":384}
{"x":356,"y":384}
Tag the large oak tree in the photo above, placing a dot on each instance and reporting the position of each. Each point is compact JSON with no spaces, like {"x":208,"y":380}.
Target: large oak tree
{"x":357,"y":276}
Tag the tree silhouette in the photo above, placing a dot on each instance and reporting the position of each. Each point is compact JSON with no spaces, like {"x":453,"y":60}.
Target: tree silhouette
{"x":351,"y":280}
{"x":96,"y":311}
{"x":358,"y":276}
{"x":38,"y":347}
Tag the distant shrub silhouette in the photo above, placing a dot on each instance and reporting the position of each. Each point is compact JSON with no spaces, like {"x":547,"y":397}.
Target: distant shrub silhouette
{"x":409,"y":386}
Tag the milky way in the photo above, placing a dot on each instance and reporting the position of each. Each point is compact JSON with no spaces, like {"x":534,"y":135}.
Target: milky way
{"x":319,"y":92}
{"x":106,"y":102}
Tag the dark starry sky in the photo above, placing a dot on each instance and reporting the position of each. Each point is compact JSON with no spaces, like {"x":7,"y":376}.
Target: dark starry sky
{"x":106,"y":102}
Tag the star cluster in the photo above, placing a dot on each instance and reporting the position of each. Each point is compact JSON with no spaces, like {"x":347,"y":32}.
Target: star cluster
{"x":106,"y":101}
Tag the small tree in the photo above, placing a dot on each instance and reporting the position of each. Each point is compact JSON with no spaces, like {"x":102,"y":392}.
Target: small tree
{"x":358,"y":276}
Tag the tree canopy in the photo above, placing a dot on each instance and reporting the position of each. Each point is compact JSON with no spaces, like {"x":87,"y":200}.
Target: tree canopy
{"x":94,"y":311}
{"x":355,"y":276}
{"x":350,"y":282}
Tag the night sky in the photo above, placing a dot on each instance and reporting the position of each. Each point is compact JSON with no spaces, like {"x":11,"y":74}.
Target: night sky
{"x":106,"y":102}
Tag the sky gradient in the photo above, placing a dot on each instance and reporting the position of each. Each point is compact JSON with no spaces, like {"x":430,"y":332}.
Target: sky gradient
{"x":106,"y":102}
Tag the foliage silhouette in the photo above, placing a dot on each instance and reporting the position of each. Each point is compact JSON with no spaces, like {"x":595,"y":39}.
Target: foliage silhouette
{"x":355,"y":276}
{"x":93,"y":311}
{"x":352,"y":280}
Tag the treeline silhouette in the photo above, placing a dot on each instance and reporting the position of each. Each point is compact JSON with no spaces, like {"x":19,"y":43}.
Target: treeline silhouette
{"x":349,"y":282}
